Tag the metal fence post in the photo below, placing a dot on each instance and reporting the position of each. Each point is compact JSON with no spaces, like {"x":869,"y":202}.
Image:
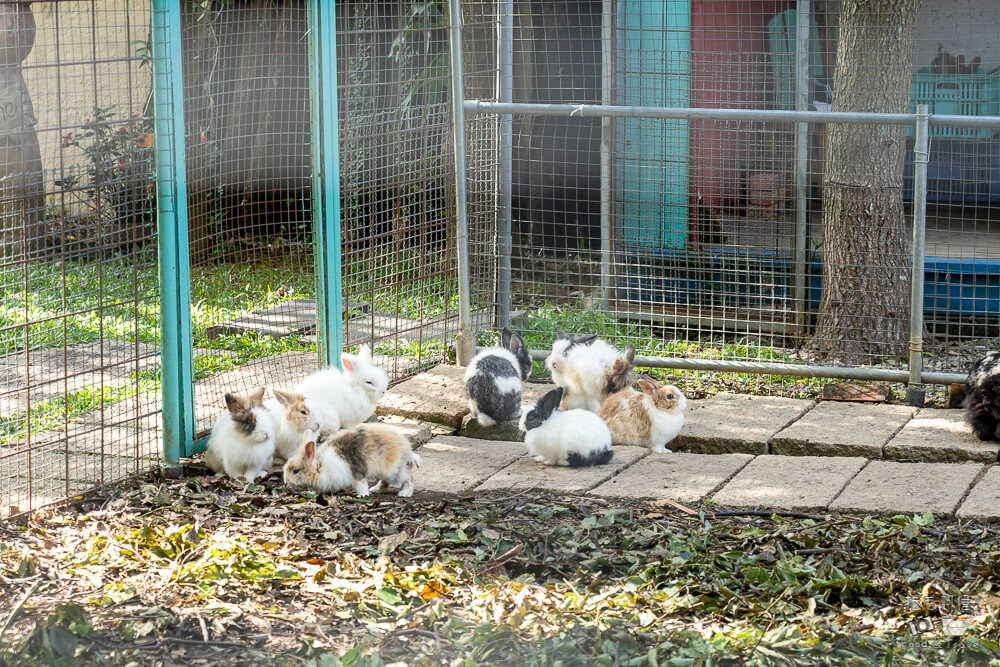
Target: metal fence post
{"x":803,"y":50}
{"x":326,"y":180}
{"x":466,"y":343}
{"x":504,"y":240}
{"x":607,"y":139}
{"x":921,"y":148}
{"x":177,"y":368}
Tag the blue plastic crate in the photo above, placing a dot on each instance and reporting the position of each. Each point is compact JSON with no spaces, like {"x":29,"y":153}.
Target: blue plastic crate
{"x":958,"y":172}
{"x":953,"y":287}
{"x":975,"y":94}
{"x":956,"y":287}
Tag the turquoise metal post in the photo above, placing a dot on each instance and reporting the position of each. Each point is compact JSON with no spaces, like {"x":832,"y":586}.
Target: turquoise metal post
{"x":326,"y":180}
{"x":177,"y":369}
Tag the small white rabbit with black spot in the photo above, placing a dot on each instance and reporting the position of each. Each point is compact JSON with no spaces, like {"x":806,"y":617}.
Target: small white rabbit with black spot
{"x":575,"y":438}
{"x":494,"y":380}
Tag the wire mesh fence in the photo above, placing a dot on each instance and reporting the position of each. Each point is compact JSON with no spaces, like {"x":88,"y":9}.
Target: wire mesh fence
{"x":746,"y":239}
{"x":78,"y":318}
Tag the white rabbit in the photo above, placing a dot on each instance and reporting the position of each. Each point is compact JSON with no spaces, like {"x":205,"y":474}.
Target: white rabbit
{"x":345,"y":398}
{"x":574,"y":438}
{"x":242,"y":440}
{"x":352,"y":459}
{"x":293,"y":415}
{"x":493,"y":380}
{"x":583,"y":367}
{"x":650,"y":419}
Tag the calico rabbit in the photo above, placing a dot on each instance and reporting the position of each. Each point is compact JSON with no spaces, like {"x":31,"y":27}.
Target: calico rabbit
{"x":583,"y":367}
{"x":242,"y":440}
{"x":366,"y":453}
{"x":576,"y":438}
{"x":650,"y":419}
{"x":982,"y":397}
{"x":493,"y":380}
{"x":293,"y":414}
{"x":345,"y":398}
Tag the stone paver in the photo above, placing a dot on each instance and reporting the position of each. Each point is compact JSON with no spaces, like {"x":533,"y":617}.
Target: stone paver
{"x":730,"y":423}
{"x":686,"y":478}
{"x":803,"y":483}
{"x":842,"y":429}
{"x":890,"y":486}
{"x":526,"y":473}
{"x":450,"y":464}
{"x":984,"y":499}
{"x":510,"y":430}
{"x":942,"y":436}
{"x":437,"y":395}
{"x":417,"y":432}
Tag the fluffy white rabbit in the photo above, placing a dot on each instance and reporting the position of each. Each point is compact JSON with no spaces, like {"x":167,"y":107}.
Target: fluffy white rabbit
{"x":345,"y":398}
{"x":293,"y":415}
{"x":582,"y":366}
{"x":242,"y":440}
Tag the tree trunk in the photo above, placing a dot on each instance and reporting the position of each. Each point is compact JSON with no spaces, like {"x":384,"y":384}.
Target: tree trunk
{"x":864,"y":310}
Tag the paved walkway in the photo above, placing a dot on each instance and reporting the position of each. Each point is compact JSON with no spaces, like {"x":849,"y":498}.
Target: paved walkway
{"x":747,"y":452}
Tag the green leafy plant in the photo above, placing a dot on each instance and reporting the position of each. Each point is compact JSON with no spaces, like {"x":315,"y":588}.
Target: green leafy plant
{"x":118,"y":188}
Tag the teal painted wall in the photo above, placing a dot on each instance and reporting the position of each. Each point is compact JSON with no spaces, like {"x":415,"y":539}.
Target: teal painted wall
{"x":653,"y":68}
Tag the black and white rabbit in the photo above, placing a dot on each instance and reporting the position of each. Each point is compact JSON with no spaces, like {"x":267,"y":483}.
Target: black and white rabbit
{"x":982,"y":397}
{"x":242,"y":440}
{"x":494,"y":380}
{"x":574,"y":438}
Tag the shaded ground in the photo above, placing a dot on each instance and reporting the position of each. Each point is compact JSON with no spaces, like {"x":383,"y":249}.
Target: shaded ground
{"x":203,"y":571}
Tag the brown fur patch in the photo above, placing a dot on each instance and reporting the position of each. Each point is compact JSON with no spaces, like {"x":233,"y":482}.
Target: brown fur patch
{"x":665,"y":397}
{"x":627,"y":416}
{"x":296,"y":411}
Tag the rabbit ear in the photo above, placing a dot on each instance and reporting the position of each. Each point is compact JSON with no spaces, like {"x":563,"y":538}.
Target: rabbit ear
{"x":285,"y":398}
{"x":347,"y":362}
{"x":630,"y":353}
{"x":586,"y":340}
{"x":505,"y":336}
{"x":257,"y":398}
{"x":514,"y":343}
{"x":549,"y":403}
{"x":234,"y":404}
{"x":309,"y":450}
{"x":647,"y":385}
{"x":365,"y":352}
{"x":560,"y":334}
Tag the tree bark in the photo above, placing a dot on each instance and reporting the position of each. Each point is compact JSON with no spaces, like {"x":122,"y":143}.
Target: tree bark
{"x":864,"y":309}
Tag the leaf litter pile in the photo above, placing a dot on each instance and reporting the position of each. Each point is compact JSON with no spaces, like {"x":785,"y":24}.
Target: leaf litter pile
{"x":204,"y":571}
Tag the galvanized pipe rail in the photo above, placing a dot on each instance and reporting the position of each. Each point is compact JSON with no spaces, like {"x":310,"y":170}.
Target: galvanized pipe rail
{"x":922,"y":120}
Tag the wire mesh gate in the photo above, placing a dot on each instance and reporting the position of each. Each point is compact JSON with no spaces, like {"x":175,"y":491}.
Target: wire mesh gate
{"x":275,"y":237}
{"x":661,"y":169}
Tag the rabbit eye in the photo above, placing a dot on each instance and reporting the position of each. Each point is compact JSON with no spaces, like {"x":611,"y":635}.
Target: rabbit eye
{"x":670,"y":396}
{"x":296,"y":471}
{"x":369,"y":383}
{"x":303,"y":412}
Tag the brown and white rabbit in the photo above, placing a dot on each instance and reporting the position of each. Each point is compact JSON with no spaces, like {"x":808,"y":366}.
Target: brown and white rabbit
{"x":293,"y":415}
{"x":650,"y":419}
{"x":242,"y":440}
{"x":351,"y":459}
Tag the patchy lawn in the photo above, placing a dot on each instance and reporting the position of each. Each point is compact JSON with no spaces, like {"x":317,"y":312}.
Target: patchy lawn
{"x":201,"y":571}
